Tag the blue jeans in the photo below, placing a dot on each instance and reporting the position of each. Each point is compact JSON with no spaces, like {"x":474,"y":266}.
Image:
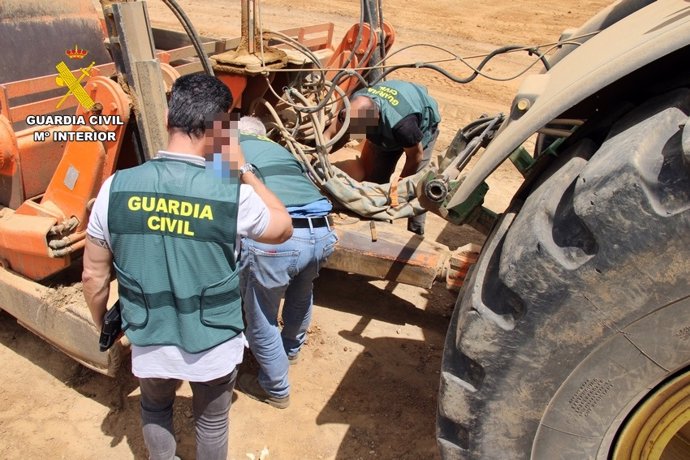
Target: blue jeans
{"x":270,"y":272}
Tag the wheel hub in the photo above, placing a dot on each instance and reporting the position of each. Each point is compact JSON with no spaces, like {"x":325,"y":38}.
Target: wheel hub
{"x":659,"y":429}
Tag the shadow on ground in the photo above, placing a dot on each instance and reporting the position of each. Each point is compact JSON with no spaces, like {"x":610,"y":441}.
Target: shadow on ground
{"x":387,"y":397}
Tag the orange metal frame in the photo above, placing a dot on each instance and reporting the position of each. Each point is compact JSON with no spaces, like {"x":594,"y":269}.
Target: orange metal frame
{"x":53,"y":182}
{"x":359,"y":57}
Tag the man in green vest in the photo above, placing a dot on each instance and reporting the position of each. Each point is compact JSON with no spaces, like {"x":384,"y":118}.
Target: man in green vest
{"x":270,"y":272}
{"x":171,"y":230}
{"x":396,"y":117}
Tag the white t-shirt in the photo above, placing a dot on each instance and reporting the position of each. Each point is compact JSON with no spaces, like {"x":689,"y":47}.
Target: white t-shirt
{"x":169,"y":361}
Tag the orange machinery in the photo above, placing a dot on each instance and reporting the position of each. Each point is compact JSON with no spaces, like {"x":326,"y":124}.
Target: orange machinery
{"x":66,"y":74}
{"x":47,"y":180}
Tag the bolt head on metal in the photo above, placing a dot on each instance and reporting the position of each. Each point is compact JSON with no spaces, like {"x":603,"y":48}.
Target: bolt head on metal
{"x":524,"y":104}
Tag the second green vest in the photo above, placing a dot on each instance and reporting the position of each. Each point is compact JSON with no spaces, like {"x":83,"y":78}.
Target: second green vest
{"x":397,"y":99}
{"x":282,"y":173}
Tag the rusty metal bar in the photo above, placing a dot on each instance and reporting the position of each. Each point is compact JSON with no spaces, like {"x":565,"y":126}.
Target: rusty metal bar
{"x":192,"y":67}
{"x":41,"y":107}
{"x":396,"y":255}
{"x":5,"y":103}
{"x":189,"y":51}
{"x":67,"y":326}
{"x":315,"y":37}
{"x":47,"y":82}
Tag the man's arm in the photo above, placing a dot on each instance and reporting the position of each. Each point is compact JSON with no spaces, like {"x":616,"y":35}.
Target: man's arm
{"x":409,"y":134}
{"x":96,"y":277}
{"x":279,"y":226}
{"x":332,"y":129}
{"x":413,"y":157}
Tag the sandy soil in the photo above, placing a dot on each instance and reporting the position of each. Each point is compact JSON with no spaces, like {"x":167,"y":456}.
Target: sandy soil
{"x":367,"y":385}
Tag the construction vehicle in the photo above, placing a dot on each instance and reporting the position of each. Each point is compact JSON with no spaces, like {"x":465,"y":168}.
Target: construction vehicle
{"x":63,"y":133}
{"x":570,"y":339}
{"x":571,"y":336}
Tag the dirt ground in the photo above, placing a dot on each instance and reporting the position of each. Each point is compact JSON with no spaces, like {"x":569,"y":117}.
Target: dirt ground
{"x":366,"y":387}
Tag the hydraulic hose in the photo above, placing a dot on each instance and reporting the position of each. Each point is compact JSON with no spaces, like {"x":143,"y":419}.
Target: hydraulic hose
{"x":476,"y":71}
{"x":191,"y":33}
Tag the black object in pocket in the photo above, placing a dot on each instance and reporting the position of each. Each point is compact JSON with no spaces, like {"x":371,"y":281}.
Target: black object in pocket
{"x":112,"y":327}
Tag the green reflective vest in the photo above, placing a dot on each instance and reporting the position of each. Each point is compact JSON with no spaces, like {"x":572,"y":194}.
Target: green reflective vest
{"x":172,"y":231}
{"x":395,"y":100}
{"x":282,"y":173}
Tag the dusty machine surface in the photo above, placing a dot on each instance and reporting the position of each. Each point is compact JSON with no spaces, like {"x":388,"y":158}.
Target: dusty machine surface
{"x":570,"y":337}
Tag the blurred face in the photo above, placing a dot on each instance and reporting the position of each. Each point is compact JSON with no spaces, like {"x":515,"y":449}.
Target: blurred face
{"x":221,"y":141}
{"x":364,"y":117}
{"x":219,"y":129}
{"x":363,"y":122}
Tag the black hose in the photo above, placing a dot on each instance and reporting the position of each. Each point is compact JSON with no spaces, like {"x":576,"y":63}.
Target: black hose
{"x":475,"y":72}
{"x":382,"y":43}
{"x":369,"y":53}
{"x":191,"y":33}
{"x":473,"y":131}
{"x":374,"y":17}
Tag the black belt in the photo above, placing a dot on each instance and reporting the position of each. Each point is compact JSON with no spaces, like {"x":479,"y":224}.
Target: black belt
{"x":316,"y":222}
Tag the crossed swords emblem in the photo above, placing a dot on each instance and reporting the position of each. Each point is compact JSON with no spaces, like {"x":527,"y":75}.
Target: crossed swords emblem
{"x":66,"y":78}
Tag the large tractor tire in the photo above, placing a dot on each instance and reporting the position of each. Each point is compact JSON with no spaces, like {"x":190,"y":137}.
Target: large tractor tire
{"x":571,"y":339}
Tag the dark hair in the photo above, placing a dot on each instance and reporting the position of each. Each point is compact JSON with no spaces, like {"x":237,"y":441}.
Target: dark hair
{"x":195,"y":99}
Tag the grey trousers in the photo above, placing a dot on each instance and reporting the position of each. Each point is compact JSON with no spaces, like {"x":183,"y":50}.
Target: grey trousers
{"x":210,"y":406}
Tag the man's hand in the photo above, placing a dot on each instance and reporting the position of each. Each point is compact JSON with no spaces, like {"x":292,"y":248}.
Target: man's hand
{"x":332,"y":129}
{"x":96,"y":277}
{"x":236,"y":155}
